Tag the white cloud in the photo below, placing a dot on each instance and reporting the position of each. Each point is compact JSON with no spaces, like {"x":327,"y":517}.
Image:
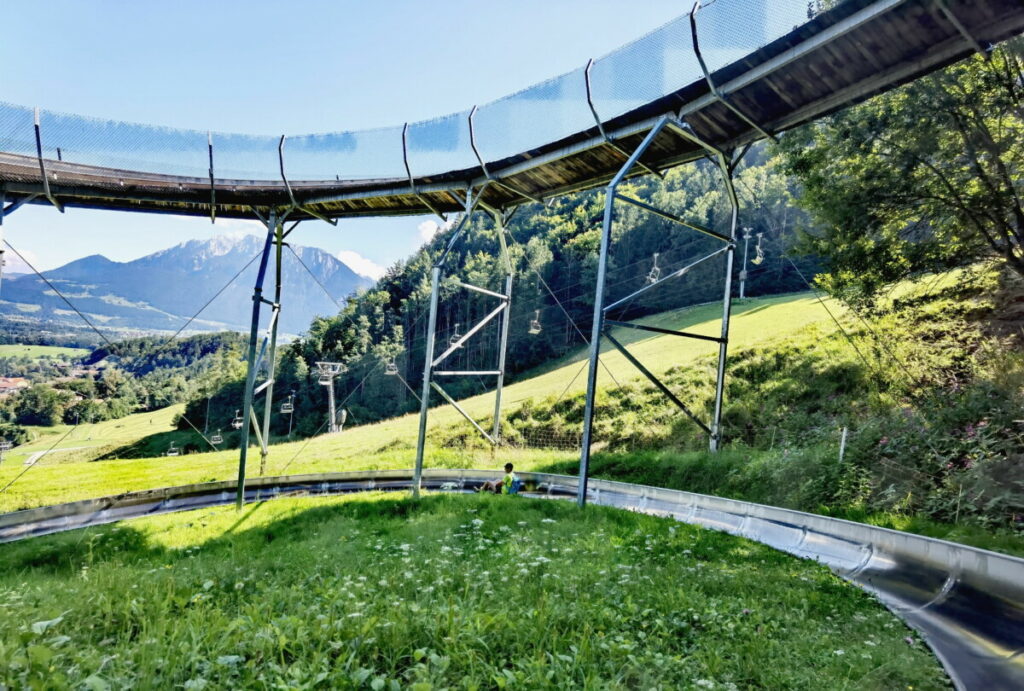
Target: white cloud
{"x":428,"y":229}
{"x":238,"y":228}
{"x":361,"y":265}
{"x":14,"y":264}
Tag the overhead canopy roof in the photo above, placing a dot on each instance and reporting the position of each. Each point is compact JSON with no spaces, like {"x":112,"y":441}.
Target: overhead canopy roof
{"x":772,"y":68}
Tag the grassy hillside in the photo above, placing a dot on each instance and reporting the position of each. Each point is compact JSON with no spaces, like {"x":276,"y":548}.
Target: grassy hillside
{"x":91,"y":441}
{"x":448,"y":592}
{"x":38,"y":351}
{"x":389,"y":444}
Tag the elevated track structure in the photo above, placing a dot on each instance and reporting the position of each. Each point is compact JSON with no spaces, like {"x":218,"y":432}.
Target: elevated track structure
{"x":705,"y":85}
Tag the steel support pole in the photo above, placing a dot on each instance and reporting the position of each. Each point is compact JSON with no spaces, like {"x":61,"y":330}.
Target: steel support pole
{"x":428,"y":360}
{"x":278,"y":230}
{"x":3,"y":203}
{"x":743,"y":274}
{"x":332,"y":415}
{"x":723,"y":345}
{"x":501,"y":355}
{"x":595,"y":346}
{"x":598,"y":327}
{"x":250,"y":379}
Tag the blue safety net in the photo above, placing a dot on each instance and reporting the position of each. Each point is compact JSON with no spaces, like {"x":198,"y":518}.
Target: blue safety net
{"x":440,"y":144}
{"x":16,"y":133}
{"x":364,"y":154}
{"x":729,"y":30}
{"x":542,"y":113}
{"x":123,"y":146}
{"x":645,"y":70}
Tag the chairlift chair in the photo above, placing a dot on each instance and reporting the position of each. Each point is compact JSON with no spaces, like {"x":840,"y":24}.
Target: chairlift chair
{"x":655,"y":273}
{"x":173,"y":450}
{"x":391,"y":369}
{"x":236,"y":422}
{"x":5,"y":445}
{"x":759,"y":249}
{"x":455,"y":336}
{"x":535,"y":324}
{"x":287,"y":408}
{"x":325,"y":379}
{"x":217,"y":438}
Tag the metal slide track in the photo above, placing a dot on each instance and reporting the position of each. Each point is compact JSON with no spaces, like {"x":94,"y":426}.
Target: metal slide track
{"x":967,"y":603}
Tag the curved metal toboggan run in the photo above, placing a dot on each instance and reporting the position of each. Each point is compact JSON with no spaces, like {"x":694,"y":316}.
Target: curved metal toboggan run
{"x":729,"y":73}
{"x":734,"y":71}
{"x":967,"y":603}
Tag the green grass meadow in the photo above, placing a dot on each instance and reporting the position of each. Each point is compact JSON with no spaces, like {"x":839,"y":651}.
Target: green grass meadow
{"x":38,"y":351}
{"x":456,"y":592}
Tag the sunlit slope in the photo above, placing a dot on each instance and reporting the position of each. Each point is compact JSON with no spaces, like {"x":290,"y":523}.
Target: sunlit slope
{"x":38,"y":351}
{"x":391,"y":444}
{"x":91,"y":440}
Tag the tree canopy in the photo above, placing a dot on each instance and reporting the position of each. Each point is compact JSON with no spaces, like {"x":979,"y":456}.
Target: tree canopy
{"x":922,"y":178}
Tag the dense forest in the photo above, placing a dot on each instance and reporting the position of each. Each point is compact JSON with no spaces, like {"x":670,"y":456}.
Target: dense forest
{"x":130,"y":376}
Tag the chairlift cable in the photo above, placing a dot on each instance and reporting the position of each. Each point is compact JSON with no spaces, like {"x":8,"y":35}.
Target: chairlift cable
{"x":112,"y":348}
{"x":562,"y":307}
{"x":210,"y":301}
{"x":29,"y":467}
{"x":324,"y":423}
{"x":849,"y":338}
{"x":60,"y":295}
{"x":412,"y":390}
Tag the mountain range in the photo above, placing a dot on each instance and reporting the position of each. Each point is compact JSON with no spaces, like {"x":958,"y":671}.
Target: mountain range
{"x":160,"y":291}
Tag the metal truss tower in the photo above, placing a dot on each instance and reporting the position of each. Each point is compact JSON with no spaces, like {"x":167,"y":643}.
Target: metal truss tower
{"x":432,"y":365}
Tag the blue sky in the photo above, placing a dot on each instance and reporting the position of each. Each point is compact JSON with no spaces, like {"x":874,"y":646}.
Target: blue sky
{"x":282,"y":67}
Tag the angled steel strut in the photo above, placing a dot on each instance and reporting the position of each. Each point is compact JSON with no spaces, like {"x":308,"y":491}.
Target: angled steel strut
{"x":42,"y":166}
{"x":601,"y":310}
{"x":720,"y":95}
{"x":274,"y":222}
{"x":432,"y":362}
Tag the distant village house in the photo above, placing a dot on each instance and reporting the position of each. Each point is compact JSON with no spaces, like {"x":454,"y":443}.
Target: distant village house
{"x":9,"y":385}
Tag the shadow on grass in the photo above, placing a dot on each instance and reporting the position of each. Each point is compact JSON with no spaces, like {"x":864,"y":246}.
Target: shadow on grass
{"x":157,"y":444}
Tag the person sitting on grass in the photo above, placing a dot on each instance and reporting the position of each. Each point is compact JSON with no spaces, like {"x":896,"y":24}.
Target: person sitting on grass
{"x":506,"y":485}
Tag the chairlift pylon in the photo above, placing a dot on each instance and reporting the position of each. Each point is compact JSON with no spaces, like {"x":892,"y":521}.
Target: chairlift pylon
{"x":655,"y":273}
{"x":535,"y":327}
